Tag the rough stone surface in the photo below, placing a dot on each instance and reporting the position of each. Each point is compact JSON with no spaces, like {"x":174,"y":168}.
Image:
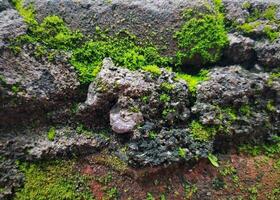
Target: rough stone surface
{"x":236,"y":101}
{"x":11,"y":25}
{"x":10,"y":178}
{"x":34,"y":145}
{"x":4,"y":4}
{"x":133,"y":97}
{"x":240,"y":49}
{"x":269,"y":53}
{"x":124,"y":121}
{"x":164,"y":149}
{"x":28,"y":85}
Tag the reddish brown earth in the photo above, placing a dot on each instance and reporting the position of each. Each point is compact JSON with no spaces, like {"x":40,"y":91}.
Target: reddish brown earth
{"x":238,"y":177}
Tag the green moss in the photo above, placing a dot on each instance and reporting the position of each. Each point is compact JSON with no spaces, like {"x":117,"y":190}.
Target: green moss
{"x":152,"y":135}
{"x":231,"y":113}
{"x":53,"y":180}
{"x":134,"y":109}
{"x":201,"y":132}
{"x":167,"y":87}
{"x":203,"y":35}
{"x":194,"y":80}
{"x":27,"y":13}
{"x":51,"y":134}
{"x":252,"y":21}
{"x":164,"y":98}
{"x":15,"y":89}
{"x":181,"y":152}
{"x":123,"y":50}
{"x":155,"y":70}
{"x":270,"y":106}
{"x":272,"y":77}
{"x":249,"y":27}
{"x":271,"y":149}
{"x":246,"y":5}
{"x":270,"y":13}
{"x":245,"y":110}
{"x":112,"y":193}
{"x":167,"y":111}
{"x":150,"y":196}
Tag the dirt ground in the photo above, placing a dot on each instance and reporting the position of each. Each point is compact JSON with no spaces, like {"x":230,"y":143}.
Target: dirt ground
{"x":238,"y":177}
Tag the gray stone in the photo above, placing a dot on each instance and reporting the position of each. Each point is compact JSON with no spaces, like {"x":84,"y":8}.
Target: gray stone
{"x":29,"y":85}
{"x":240,"y":49}
{"x":268,"y":54}
{"x":11,"y":26}
{"x":32,"y":145}
{"x":10,"y":178}
{"x":131,"y":96}
{"x":124,"y":121}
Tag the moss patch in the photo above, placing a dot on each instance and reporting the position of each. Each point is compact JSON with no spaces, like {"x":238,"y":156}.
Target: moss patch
{"x":193,"y":80}
{"x":202,"y":35}
{"x":54,"y":180}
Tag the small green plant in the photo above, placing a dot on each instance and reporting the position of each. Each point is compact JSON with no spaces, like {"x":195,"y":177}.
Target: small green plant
{"x":213,"y":160}
{"x":228,"y":170}
{"x":152,"y":135}
{"x":270,"y":106}
{"x":51,"y":134}
{"x":167,"y":111}
{"x":15,"y":89}
{"x":253,"y":193}
{"x":164,"y":98}
{"x":112,"y":193}
{"x":272,"y":77}
{"x":150,"y":196}
{"x":189,"y":190}
{"x":181,"y":152}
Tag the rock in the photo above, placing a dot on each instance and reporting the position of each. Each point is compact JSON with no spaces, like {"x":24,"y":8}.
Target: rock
{"x":164,"y":149}
{"x":124,"y":121}
{"x":11,"y":25}
{"x":10,"y":178}
{"x":235,"y":102}
{"x":240,"y":49}
{"x":29,"y":85}
{"x":268,"y":54}
{"x":4,"y":5}
{"x":131,"y":97}
{"x":34,"y":145}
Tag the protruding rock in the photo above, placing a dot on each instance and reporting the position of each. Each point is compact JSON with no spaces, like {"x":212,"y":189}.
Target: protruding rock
{"x":269,"y":53}
{"x":124,"y":121}
{"x":240,"y":49}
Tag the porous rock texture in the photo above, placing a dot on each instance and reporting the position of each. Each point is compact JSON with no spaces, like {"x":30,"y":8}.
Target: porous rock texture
{"x":134,"y":96}
{"x":30,"y":86}
{"x":150,"y":114}
{"x":237,"y":100}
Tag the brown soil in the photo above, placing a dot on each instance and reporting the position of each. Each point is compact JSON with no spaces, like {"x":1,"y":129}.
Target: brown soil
{"x":237,"y":177}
